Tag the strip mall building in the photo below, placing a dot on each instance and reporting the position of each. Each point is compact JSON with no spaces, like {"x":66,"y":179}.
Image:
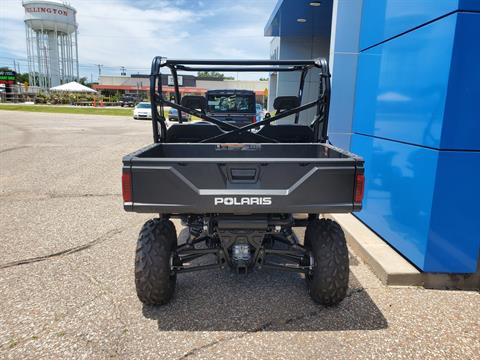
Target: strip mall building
{"x":189,"y":85}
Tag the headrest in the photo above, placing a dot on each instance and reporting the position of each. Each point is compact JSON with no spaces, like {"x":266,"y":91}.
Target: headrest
{"x":194,"y":102}
{"x":286,"y":102}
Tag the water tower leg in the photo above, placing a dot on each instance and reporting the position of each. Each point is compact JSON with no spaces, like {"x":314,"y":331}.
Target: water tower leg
{"x":54,"y":59}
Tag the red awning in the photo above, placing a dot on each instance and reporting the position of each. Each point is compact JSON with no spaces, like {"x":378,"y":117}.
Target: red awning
{"x":171,"y":89}
{"x":185,"y":89}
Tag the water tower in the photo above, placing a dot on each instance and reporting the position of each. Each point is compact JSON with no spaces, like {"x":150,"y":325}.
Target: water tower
{"x":52,"y":48}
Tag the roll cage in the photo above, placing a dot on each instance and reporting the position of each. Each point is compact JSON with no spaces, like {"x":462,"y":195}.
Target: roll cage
{"x":319,"y":123}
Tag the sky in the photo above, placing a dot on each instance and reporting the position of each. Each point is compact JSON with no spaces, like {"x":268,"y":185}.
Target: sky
{"x":130,"y":33}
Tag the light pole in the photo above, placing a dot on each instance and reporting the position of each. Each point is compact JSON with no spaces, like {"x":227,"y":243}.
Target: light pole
{"x":99,"y":71}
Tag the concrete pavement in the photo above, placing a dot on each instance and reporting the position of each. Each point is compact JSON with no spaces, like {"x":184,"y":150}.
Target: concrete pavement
{"x":66,"y":272}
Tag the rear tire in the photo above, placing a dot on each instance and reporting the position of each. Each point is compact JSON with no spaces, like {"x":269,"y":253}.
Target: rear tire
{"x":328,"y":281}
{"x":154,"y":280}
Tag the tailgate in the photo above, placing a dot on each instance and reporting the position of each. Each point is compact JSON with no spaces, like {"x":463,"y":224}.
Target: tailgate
{"x":207,"y":186}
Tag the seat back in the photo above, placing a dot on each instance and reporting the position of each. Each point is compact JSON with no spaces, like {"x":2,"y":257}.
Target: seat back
{"x":186,"y":133}
{"x":282,"y":103}
{"x":288,"y":133}
{"x":194,"y":102}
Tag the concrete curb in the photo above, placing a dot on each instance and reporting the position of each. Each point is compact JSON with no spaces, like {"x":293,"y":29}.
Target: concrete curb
{"x":385,"y":262}
{"x":389,"y":266}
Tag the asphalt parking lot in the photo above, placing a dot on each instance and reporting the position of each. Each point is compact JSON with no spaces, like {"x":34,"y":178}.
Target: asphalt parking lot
{"x":66,"y":272}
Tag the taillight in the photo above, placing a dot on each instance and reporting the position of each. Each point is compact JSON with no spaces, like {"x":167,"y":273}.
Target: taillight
{"x":254,"y":119}
{"x":359,"y":187}
{"x":127,"y":186}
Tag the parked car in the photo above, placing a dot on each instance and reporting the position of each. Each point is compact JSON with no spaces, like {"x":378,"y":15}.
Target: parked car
{"x":143,"y":110}
{"x":173,"y":115}
{"x":236,"y":107}
{"x":260,"y":112}
{"x":129,"y":101}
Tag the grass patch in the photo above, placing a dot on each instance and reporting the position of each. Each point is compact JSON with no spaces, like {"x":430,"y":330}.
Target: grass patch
{"x":68,"y":110}
{"x":77,"y":110}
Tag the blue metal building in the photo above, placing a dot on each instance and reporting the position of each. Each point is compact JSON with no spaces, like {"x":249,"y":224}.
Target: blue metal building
{"x":406,"y":97}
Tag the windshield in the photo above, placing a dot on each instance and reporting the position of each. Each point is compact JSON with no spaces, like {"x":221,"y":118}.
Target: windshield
{"x":143,"y":106}
{"x":231,"y":103}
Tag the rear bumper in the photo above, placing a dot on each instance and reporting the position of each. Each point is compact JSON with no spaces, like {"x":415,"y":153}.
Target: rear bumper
{"x":244,"y":210}
{"x":144,"y":117}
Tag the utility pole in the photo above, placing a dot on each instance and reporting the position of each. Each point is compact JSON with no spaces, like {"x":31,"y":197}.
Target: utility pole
{"x":123,"y":70}
{"x":99,"y":70}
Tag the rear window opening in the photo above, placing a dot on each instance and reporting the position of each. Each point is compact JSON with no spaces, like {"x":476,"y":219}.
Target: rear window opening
{"x":231,"y":103}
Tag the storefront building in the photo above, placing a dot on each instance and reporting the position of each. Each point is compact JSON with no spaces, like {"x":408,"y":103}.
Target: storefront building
{"x":405,"y":96}
{"x":139,"y":85}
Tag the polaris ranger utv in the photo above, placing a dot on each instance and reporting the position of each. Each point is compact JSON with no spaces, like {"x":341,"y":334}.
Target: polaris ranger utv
{"x":237,"y":190}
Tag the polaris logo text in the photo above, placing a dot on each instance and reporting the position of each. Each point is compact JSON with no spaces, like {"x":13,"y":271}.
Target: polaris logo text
{"x":230,"y":201}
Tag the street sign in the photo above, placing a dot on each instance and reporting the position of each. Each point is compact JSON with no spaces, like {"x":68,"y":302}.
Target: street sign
{"x":171,"y":82}
{"x":8,"y":77}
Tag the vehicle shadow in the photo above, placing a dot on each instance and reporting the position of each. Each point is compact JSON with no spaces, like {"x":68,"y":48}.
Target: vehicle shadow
{"x":220,"y":300}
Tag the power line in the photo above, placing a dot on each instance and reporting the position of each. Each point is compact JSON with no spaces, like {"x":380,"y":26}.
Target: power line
{"x":84,"y":65}
{"x":189,"y":36}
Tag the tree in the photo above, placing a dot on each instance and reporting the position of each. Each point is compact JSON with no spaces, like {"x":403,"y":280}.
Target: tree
{"x":23,"y":78}
{"x":83,"y":80}
{"x":212,"y":75}
{"x":263,"y":79}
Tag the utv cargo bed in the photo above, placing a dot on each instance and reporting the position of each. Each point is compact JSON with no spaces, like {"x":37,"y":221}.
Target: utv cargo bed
{"x":242,"y":178}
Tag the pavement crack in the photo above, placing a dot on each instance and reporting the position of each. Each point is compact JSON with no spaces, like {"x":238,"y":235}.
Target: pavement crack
{"x":69,"y":251}
{"x":66,"y":196}
{"x":354,"y":291}
{"x":261,"y":327}
{"x":26,"y":132}
{"x":14,"y":148}
{"x":209,"y":345}
{"x":48,"y":196}
{"x":265,"y":326}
